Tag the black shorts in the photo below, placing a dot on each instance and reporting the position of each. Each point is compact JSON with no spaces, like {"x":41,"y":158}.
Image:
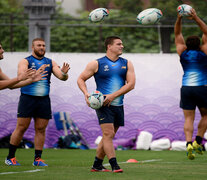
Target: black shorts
{"x":34,"y":106}
{"x":111,"y":114}
{"x":192,"y":96}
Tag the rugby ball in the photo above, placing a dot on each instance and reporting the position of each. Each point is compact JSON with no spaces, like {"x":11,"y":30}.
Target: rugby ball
{"x":96,"y":99}
{"x":98,"y":14}
{"x":184,"y":10}
{"x":149,"y":16}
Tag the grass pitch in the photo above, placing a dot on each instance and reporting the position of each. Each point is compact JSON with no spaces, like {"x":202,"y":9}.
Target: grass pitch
{"x":65,"y":164}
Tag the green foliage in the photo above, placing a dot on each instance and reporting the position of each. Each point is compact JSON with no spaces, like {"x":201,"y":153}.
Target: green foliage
{"x":88,"y":36}
{"x":102,"y":3}
{"x":69,"y":34}
{"x":13,"y":37}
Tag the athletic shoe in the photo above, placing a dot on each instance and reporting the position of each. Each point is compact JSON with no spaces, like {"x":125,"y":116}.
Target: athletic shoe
{"x":100,"y":169}
{"x":39,"y":162}
{"x":197,"y":147}
{"x":12,"y":162}
{"x":117,"y":169}
{"x":190,"y":152}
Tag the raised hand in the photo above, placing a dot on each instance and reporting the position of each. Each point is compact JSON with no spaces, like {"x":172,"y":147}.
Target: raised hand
{"x":40,"y":74}
{"x":65,"y":68}
{"x":192,"y":14}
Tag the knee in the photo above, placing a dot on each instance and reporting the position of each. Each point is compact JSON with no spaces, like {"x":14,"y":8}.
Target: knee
{"x":203,"y":122}
{"x":21,"y":128}
{"x":40,"y":130}
{"x":108,"y":134}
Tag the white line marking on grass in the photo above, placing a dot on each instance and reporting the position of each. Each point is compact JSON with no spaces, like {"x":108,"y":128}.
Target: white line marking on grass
{"x":29,"y":171}
{"x":144,"y":161}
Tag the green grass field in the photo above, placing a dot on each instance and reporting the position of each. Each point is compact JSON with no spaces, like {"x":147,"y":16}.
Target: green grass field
{"x":75,"y":165}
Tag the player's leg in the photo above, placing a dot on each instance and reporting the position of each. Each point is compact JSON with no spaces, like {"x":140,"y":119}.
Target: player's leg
{"x":42,"y":116}
{"x":39,"y":140}
{"x":202,"y":126}
{"x":188,"y":125}
{"x":188,"y":130}
{"x":108,"y":135}
{"x":15,"y":139}
{"x":100,"y":150}
{"x":201,"y":101}
{"x":100,"y":154}
{"x":118,"y":121}
{"x":188,"y":104}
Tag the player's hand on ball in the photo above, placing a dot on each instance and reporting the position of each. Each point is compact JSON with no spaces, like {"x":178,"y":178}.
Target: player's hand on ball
{"x":87,"y":95}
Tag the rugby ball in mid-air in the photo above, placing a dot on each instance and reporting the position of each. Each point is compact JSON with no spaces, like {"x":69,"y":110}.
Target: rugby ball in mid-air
{"x":96,"y":99}
{"x":184,"y":10}
{"x":149,"y":16}
{"x":98,"y":14}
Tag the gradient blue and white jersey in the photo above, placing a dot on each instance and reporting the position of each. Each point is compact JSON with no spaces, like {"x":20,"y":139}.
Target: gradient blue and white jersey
{"x":42,"y":87}
{"x":194,"y":65}
{"x":111,"y":76}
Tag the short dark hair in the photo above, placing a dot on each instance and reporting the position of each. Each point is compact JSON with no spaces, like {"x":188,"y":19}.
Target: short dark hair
{"x":37,"y":39}
{"x":193,"y":43}
{"x":110,"y":40}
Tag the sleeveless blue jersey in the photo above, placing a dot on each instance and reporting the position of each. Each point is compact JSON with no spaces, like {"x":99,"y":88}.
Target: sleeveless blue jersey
{"x":42,"y":87}
{"x":194,"y":65}
{"x":111,"y":76}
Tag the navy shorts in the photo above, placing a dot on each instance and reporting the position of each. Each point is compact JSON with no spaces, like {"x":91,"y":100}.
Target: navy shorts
{"x":34,"y":106}
{"x":111,"y":114}
{"x":192,"y":96}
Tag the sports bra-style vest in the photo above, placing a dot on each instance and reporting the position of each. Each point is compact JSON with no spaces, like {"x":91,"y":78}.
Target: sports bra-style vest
{"x":42,"y":87}
{"x":111,"y":76}
{"x":194,"y":64}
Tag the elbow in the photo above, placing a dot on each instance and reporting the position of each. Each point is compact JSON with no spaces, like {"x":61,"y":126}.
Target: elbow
{"x":12,"y":87}
{"x":64,"y":78}
{"x":132,"y":86}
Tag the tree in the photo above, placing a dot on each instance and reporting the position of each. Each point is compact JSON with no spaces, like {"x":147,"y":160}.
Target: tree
{"x":12,"y":36}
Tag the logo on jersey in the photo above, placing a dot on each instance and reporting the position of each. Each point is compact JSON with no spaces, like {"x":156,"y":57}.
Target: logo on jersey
{"x":123,"y":67}
{"x":106,"y":68}
{"x":33,"y":66}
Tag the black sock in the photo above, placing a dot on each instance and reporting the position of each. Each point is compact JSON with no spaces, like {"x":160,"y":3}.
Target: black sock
{"x":97,"y":162}
{"x":190,"y":142}
{"x":38,"y":153}
{"x":199,"y":139}
{"x":12,"y":151}
{"x":113,"y":162}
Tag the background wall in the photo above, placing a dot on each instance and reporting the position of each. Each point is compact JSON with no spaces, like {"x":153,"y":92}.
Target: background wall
{"x":152,"y":106}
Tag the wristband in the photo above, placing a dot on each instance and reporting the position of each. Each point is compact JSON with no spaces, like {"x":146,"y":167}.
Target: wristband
{"x":64,"y":74}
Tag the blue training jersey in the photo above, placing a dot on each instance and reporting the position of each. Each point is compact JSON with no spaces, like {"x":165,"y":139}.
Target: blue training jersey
{"x":194,"y":65}
{"x":42,"y":87}
{"x":111,"y":76}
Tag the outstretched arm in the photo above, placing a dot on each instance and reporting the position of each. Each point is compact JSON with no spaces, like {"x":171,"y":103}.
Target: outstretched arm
{"x":203,"y":28}
{"x":28,"y":76}
{"x":179,"y":40}
{"x":5,"y":81}
{"x":200,"y":23}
